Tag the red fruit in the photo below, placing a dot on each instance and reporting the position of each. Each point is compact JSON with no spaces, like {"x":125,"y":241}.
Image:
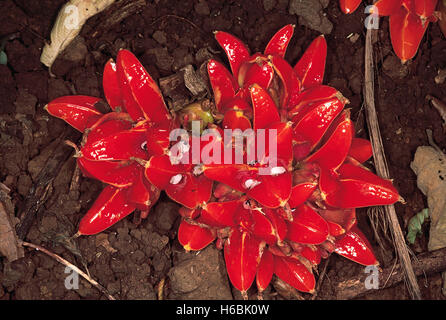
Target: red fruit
{"x":339,"y":220}
{"x":406,"y":32}
{"x":425,"y":8}
{"x":386,"y":7}
{"x":360,"y":150}
{"x":349,"y":6}
{"x":354,"y":246}
{"x":235,"y":49}
{"x":273,"y":191}
{"x":290,"y":81}
{"x":307,"y":226}
{"x":112,"y":89}
{"x":294,"y":273}
{"x":179,"y":183}
{"x":265,"y":270}
{"x":137,"y":84}
{"x":312,"y":254}
{"x":78,"y":111}
{"x":300,"y":193}
{"x":110,"y":207}
{"x":219,"y":214}
{"x":333,"y":153}
{"x":308,"y":98}
{"x":278,"y":223}
{"x":359,"y":187}
{"x":123,"y":145}
{"x":193,"y":237}
{"x":316,"y":121}
{"x":261,"y":227}
{"x":120,"y":174}
{"x":255,"y":70}
{"x":279,"y":42}
{"x":235,"y":119}
{"x":265,"y":110}
{"x":242,"y":256}
{"x":157,"y":137}
{"x":109,"y":124}
{"x":311,"y":66}
{"x":222,"y":83}
{"x":142,"y":194}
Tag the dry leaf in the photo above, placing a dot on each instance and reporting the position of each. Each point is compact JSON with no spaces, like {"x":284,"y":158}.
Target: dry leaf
{"x":9,"y":246}
{"x":69,"y":22}
{"x":429,"y":165}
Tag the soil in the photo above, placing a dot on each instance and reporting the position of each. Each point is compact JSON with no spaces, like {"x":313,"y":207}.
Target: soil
{"x":133,"y":257}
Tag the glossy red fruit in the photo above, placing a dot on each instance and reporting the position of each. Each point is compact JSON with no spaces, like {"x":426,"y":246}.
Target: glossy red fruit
{"x":406,"y":32}
{"x":220,"y":214}
{"x":265,"y":270}
{"x":333,"y":153}
{"x":180,"y":184}
{"x":78,"y":111}
{"x":290,"y":80}
{"x":279,"y":42}
{"x":236,"y":119}
{"x":353,"y":246}
{"x":110,"y":207}
{"x":386,"y":7}
{"x":300,"y":193}
{"x":307,"y":226}
{"x":425,"y":8}
{"x":349,"y":6}
{"x":265,"y":110}
{"x":242,"y":256}
{"x":222,"y":82}
{"x":316,"y":121}
{"x":294,"y":273}
{"x":112,"y":88}
{"x":360,"y":149}
{"x":137,"y":84}
{"x":120,"y":174}
{"x":123,"y":145}
{"x":141,"y":193}
{"x":358,"y":187}
{"x":312,"y":254}
{"x":235,"y":50}
{"x":109,"y":124}
{"x":193,"y":237}
{"x":255,"y":70}
{"x":311,"y":66}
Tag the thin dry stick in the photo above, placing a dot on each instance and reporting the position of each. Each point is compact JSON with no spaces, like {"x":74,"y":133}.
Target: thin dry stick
{"x":70,"y":265}
{"x":321,"y":279}
{"x":383,"y":171}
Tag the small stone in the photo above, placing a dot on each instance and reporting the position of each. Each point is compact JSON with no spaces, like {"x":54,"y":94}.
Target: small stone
{"x":393,"y":67}
{"x":160,"y":37}
{"x":268,"y":5}
{"x":25,"y":103}
{"x":23,"y":184}
{"x":165,"y":215}
{"x":202,"y":8}
{"x":57,"y":88}
{"x":200,"y":275}
{"x":163,"y":59}
{"x":76,"y":51}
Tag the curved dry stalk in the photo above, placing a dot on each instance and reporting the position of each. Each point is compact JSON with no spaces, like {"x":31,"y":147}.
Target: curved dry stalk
{"x":70,"y":265}
{"x":383,"y":171}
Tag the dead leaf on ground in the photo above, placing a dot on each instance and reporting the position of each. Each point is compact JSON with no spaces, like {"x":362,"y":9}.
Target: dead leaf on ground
{"x":9,"y":246}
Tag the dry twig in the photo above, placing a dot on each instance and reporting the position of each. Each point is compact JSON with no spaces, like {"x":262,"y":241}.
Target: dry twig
{"x":383,"y":171}
{"x":70,"y":265}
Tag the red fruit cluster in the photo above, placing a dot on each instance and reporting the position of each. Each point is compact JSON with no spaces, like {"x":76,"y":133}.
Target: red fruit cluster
{"x":279,"y":223}
{"x":409,"y":20}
